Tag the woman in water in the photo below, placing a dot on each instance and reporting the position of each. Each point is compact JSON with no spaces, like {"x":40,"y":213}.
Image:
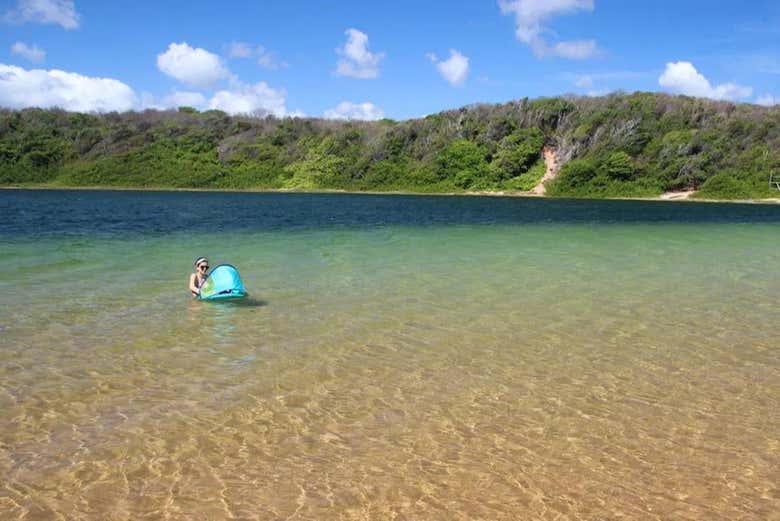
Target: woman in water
{"x":199,"y":277}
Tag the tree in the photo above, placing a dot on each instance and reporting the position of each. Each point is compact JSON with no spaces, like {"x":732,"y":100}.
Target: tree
{"x":464,"y":163}
{"x":618,"y":165}
{"x":518,"y":151}
{"x":573,"y":175}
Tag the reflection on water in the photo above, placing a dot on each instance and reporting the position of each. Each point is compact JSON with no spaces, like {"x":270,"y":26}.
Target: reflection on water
{"x":495,"y":372}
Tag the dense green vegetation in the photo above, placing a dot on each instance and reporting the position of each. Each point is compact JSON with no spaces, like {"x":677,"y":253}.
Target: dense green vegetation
{"x":621,"y":145}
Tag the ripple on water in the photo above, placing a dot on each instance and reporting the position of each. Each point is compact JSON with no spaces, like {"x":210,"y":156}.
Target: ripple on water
{"x":462,"y":372}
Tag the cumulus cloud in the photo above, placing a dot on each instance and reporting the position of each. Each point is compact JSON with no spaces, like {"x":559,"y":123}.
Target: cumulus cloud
{"x":242,"y":98}
{"x":269,"y":60}
{"x":265,"y":58}
{"x":575,"y":49}
{"x":455,"y":69}
{"x":50,"y":12}
{"x":529,"y":17}
{"x":20,"y":88}
{"x":193,"y":66}
{"x":348,"y":110}
{"x":240,"y":50}
{"x":200,"y":68}
{"x":768,"y":100}
{"x":358,"y":61}
{"x":34,"y":54}
{"x":683,"y":78}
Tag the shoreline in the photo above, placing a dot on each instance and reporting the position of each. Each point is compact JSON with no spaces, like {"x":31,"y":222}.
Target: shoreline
{"x":503,"y":193}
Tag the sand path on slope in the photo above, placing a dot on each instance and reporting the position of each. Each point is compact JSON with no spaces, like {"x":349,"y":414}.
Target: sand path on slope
{"x":551,"y":162}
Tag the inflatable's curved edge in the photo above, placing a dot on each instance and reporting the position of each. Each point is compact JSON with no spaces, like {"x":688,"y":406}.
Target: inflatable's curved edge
{"x":236,"y":292}
{"x":224,"y":296}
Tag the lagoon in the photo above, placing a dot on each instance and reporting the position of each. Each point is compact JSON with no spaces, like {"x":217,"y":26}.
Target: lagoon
{"x":408,"y":357}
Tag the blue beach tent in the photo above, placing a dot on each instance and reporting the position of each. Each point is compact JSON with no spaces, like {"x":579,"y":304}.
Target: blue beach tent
{"x":223,"y":282}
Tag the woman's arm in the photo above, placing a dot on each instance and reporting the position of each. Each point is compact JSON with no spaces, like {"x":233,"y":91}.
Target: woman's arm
{"x":193,"y":287}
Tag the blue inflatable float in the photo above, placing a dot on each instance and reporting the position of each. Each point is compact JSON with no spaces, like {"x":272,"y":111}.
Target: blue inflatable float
{"x":222,"y":283}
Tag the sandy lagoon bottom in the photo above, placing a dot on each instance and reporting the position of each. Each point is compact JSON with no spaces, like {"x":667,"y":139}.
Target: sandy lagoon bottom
{"x":452,"y":372}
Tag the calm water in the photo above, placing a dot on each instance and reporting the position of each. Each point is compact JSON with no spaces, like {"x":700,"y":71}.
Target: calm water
{"x":401,"y":358}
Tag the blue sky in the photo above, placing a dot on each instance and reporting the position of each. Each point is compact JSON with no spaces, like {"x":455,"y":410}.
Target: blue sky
{"x":367,"y":60}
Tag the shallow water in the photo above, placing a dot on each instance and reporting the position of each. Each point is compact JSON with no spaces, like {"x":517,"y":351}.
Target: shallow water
{"x":400,"y":358}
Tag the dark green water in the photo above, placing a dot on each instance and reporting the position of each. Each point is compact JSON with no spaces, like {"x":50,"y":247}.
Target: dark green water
{"x":407,"y":357}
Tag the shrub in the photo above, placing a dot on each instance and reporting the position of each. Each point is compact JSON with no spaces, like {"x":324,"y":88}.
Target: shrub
{"x":572,"y":176}
{"x":464,"y":163}
{"x":618,"y":165}
{"x":518,"y":151}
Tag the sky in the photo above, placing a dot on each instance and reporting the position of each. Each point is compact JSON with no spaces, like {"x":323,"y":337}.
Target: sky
{"x":368,"y":60}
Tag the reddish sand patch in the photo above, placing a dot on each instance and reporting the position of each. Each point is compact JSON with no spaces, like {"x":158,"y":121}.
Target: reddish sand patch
{"x":551,"y":161}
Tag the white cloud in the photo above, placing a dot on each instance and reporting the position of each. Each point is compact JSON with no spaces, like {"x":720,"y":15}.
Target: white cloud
{"x":20,"y":88}
{"x":250,"y":99}
{"x":358,"y":61}
{"x":296,"y":114}
{"x":200,"y":68}
{"x":455,"y":69}
{"x":347,"y":110}
{"x":576,"y":49}
{"x":265,"y":58}
{"x":269,"y":60}
{"x":50,"y":12}
{"x":768,"y":100}
{"x":529,"y":16}
{"x":193,"y":66}
{"x":34,"y":54}
{"x":683,"y":78}
{"x":240,"y":50}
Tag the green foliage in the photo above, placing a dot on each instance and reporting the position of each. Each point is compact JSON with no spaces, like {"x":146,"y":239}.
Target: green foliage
{"x":724,"y":186}
{"x":386,"y":174}
{"x":464,"y":164}
{"x":609,"y":178}
{"x":737,"y":184}
{"x":518,"y":151}
{"x":616,"y":146}
{"x":618,"y":165}
{"x":582,"y":132}
{"x":529,"y":179}
{"x":318,"y":171}
{"x":548,"y":112}
{"x":571,"y":176}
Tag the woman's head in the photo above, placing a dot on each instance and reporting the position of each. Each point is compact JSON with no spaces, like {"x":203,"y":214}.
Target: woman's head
{"x":201,"y":264}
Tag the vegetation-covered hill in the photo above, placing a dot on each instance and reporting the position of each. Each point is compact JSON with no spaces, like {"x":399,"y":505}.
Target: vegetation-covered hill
{"x":619,"y":145}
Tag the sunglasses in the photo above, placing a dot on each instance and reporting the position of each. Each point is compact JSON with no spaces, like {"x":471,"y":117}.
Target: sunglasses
{"x":203,"y":267}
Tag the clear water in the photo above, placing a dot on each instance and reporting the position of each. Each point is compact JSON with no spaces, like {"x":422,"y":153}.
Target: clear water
{"x":400,"y":358}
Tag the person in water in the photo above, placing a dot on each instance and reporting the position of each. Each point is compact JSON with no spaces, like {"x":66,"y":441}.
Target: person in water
{"x":199,"y":277}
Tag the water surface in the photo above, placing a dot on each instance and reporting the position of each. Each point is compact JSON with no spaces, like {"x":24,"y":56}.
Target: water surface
{"x":401,"y":357}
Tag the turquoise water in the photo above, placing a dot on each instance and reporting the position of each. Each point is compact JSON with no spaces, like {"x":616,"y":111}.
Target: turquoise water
{"x":400,"y":357}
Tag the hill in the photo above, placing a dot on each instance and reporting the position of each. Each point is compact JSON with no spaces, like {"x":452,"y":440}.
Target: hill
{"x":621,"y":145}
